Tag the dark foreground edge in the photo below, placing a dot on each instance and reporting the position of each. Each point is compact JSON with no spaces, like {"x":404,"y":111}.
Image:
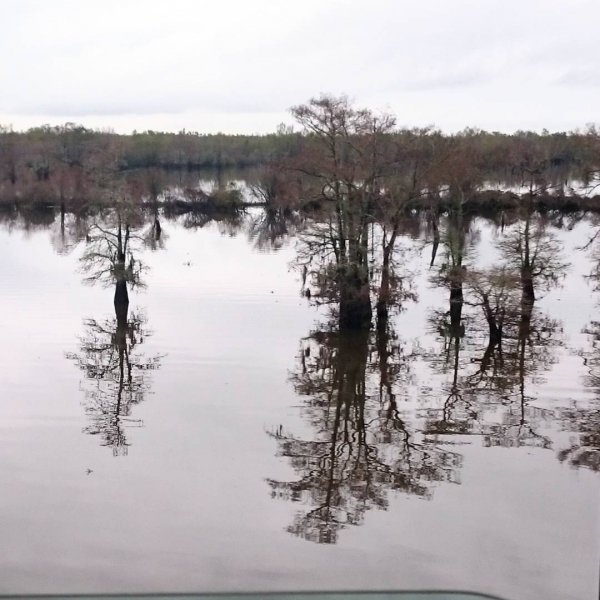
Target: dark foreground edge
{"x":351,"y":595}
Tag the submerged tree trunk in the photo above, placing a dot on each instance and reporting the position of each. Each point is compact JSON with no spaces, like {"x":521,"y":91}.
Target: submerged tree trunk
{"x":121,"y":302}
{"x":456,"y":300}
{"x":121,"y":299}
{"x":456,"y":274}
{"x":525,"y":317}
{"x":355,"y":297}
{"x":382,"y":308}
{"x":157,"y":227}
{"x":528,"y":292}
{"x":436,"y":238}
{"x":355,"y":306}
{"x":495,"y":320}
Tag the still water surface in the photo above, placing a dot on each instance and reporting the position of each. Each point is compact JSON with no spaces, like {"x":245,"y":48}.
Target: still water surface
{"x":225,"y":436}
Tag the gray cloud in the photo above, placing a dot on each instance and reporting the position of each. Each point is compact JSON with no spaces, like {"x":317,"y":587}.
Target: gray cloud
{"x":460,"y":62}
{"x":441,"y":81}
{"x":586,"y":77}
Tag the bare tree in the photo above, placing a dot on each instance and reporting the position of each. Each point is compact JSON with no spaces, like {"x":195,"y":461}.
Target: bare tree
{"x":344,"y":161}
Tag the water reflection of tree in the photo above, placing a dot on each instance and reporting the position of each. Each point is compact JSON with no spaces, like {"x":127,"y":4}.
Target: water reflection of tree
{"x":116,"y":375}
{"x":362,"y":448}
{"x":582,"y":417}
{"x":27,"y":219}
{"x":533,"y":252}
{"x":496,"y":342}
{"x":228,"y":222}
{"x":584,"y":447}
{"x":115,"y":370}
{"x":67,"y":232}
{"x":457,"y":237}
{"x":270,"y":227}
{"x":508,"y":343}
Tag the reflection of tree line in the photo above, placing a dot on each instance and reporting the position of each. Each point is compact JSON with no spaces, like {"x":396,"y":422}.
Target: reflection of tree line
{"x":509,"y":341}
{"x":519,"y":338}
{"x":496,"y":341}
{"x":364,"y":445}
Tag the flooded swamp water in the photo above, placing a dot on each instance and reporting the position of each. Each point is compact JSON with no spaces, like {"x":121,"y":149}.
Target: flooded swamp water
{"x":222,"y":432}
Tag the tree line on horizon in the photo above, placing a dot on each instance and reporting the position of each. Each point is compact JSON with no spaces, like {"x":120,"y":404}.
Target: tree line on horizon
{"x":71,"y":163}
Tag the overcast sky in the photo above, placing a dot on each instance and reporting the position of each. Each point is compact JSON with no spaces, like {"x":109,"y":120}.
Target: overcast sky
{"x":238,"y":65}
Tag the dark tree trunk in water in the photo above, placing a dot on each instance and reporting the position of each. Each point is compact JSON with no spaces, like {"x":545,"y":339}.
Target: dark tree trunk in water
{"x":525,"y":320}
{"x":456,"y":303}
{"x":386,"y":380}
{"x":495,"y":332}
{"x":495,"y":338}
{"x":62,"y":222}
{"x":121,"y":296}
{"x":355,"y":301}
{"x":434,"y":249}
{"x":382,"y":310}
{"x":436,"y":239}
{"x":494,"y":320}
{"x":121,"y":302}
{"x":456,"y":274}
{"x":157,"y":227}
{"x":355,"y":293}
{"x":383,"y":316}
{"x":355,"y":310}
{"x":528,"y":292}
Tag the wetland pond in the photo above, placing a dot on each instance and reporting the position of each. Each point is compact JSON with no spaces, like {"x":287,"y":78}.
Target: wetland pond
{"x":184,"y":410}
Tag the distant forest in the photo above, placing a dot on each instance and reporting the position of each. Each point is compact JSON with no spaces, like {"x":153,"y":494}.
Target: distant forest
{"x":75,"y":165}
